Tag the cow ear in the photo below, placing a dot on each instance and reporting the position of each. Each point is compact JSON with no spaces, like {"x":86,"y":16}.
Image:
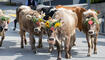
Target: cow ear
{"x":29,"y":17}
{"x":98,"y":12}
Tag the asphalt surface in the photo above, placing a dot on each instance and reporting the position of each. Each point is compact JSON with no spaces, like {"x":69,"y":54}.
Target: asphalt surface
{"x":11,"y":50}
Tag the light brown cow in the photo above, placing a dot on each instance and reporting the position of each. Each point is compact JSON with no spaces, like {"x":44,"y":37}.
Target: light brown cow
{"x":4,"y":21}
{"x":91,"y":27}
{"x":27,"y":24}
{"x":49,"y":11}
{"x":66,"y":22}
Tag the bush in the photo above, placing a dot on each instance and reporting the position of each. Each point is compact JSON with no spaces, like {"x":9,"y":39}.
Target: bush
{"x":97,"y":1}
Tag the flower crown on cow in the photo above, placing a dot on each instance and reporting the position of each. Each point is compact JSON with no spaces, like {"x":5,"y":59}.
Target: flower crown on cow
{"x":52,"y":25}
{"x":91,"y":21}
{"x":3,"y":18}
{"x":37,"y":20}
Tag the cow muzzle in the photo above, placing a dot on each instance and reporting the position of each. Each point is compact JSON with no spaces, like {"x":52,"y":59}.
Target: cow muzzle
{"x":37,"y":30}
{"x":5,"y":29}
{"x":51,"y":41}
{"x":1,"y":28}
{"x":91,"y":32}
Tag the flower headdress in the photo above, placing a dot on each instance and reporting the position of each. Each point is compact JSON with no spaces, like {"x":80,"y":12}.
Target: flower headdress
{"x":91,"y":21}
{"x":52,"y":25}
{"x":3,"y":18}
{"x":37,"y":20}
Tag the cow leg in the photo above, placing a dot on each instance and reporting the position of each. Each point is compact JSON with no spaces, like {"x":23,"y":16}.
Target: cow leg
{"x":92,"y":39}
{"x":2,"y":38}
{"x":74,"y":40}
{"x":59,"y":49}
{"x":89,"y":44}
{"x":22,"y":38}
{"x":32,"y":42}
{"x":40,"y":41}
{"x":15,"y":22}
{"x":95,"y":47}
{"x":67,"y":48}
{"x":51,"y":48}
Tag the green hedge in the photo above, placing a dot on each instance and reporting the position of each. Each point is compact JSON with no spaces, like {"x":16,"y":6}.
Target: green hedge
{"x":97,"y":1}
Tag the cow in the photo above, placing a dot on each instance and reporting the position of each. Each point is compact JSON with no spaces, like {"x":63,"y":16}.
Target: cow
{"x":18,"y":10}
{"x":91,"y":27}
{"x":49,"y":11}
{"x":17,"y":14}
{"x":61,"y":29}
{"x":4,"y":21}
{"x":29,"y":22}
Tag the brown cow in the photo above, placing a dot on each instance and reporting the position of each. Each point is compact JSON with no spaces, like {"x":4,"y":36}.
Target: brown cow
{"x":4,"y":21}
{"x":27,"y":23}
{"x":91,"y":29}
{"x":62,"y":30}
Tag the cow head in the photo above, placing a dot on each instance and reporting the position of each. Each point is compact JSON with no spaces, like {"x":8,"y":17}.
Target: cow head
{"x":36,"y":20}
{"x":52,"y":27}
{"x":91,"y":21}
{"x":4,"y":21}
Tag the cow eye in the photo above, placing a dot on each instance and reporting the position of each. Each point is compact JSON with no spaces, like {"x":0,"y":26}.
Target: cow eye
{"x":51,"y":31}
{"x":88,"y":17}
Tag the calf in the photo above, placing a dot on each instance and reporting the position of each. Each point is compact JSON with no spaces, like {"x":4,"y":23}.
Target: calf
{"x":62,"y":30}
{"x":91,"y":29}
{"x":28,"y":23}
{"x":4,"y":21}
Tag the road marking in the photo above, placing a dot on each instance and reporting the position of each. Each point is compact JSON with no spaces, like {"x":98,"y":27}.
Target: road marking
{"x":14,"y":15}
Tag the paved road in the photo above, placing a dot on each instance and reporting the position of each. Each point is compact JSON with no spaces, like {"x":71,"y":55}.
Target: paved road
{"x":11,"y":46}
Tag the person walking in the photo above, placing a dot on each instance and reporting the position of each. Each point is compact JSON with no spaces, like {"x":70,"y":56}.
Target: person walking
{"x":32,"y":3}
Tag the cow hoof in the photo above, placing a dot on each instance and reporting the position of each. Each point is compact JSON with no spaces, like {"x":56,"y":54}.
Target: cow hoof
{"x":22,"y":46}
{"x":34,"y":51}
{"x":74,"y":44}
{"x":58,"y":58}
{"x":0,"y":44}
{"x":14,"y":29}
{"x":39,"y":46}
{"x":50,"y":50}
{"x":95,"y":52}
{"x":25,"y":42}
{"x":88,"y":55}
{"x":68,"y":57}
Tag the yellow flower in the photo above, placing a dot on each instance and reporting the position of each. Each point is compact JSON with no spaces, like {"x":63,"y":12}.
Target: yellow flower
{"x":40,"y":20}
{"x":57,"y":25}
{"x":47,"y":23}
